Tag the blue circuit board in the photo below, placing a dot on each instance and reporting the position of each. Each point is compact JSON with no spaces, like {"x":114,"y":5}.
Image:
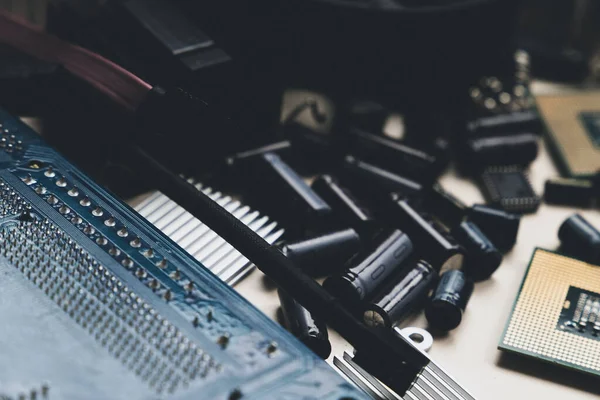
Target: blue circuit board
{"x":98,"y":304}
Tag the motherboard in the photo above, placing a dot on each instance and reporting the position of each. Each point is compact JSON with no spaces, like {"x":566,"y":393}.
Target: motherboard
{"x":96,"y":303}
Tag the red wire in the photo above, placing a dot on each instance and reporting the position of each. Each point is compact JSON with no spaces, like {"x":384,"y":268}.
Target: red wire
{"x":114,"y":81}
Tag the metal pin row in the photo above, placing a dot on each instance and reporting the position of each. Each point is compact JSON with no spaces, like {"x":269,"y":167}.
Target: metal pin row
{"x":111,"y":222}
{"x":64,"y":290}
{"x":55,"y":283}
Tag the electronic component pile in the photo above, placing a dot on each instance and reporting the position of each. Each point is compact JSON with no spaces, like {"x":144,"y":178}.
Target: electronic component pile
{"x":98,"y":304}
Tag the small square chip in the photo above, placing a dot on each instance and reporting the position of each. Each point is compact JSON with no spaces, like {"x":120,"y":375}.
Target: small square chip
{"x":509,"y":188}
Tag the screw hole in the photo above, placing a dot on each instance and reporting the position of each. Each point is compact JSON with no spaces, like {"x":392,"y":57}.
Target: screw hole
{"x":417,"y":337}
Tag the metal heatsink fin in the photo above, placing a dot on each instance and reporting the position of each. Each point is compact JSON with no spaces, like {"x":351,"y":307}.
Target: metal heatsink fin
{"x":432,"y":383}
{"x":199,"y":240}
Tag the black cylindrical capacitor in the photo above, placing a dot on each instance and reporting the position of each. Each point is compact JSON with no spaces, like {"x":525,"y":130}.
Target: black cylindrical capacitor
{"x":300,"y":322}
{"x":498,"y":225}
{"x":516,"y":149}
{"x":483,"y":258}
{"x":446,"y":307}
{"x":580,"y":239}
{"x":375,"y":180}
{"x":323,"y":254}
{"x":570,"y":192}
{"x":368,"y":271}
{"x":445,"y":206}
{"x":398,"y":300}
{"x":346,"y":210}
{"x":392,"y":154}
{"x":270,"y":181}
{"x":431,"y":241}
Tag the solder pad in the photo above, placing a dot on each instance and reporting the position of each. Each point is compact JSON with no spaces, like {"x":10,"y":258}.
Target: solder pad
{"x":572,"y":126}
{"x":557,"y":294}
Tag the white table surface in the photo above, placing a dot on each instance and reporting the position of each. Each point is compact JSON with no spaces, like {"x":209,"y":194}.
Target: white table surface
{"x":470,"y":353}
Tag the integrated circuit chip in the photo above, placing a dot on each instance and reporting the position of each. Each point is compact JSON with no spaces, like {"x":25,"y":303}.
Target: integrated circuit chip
{"x":573,"y":130}
{"x":509,"y":188}
{"x":555,"y":317}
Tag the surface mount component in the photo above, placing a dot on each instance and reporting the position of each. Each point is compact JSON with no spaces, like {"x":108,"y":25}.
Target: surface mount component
{"x":199,"y":240}
{"x":510,"y":189}
{"x":573,"y":130}
{"x":99,"y":304}
{"x":556,"y":317}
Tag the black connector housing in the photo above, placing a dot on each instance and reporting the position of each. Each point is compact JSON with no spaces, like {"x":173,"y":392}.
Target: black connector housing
{"x":570,"y":192}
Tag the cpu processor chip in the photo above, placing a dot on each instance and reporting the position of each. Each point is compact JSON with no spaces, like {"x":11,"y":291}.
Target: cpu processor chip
{"x":573,"y":130}
{"x":556,"y":317}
